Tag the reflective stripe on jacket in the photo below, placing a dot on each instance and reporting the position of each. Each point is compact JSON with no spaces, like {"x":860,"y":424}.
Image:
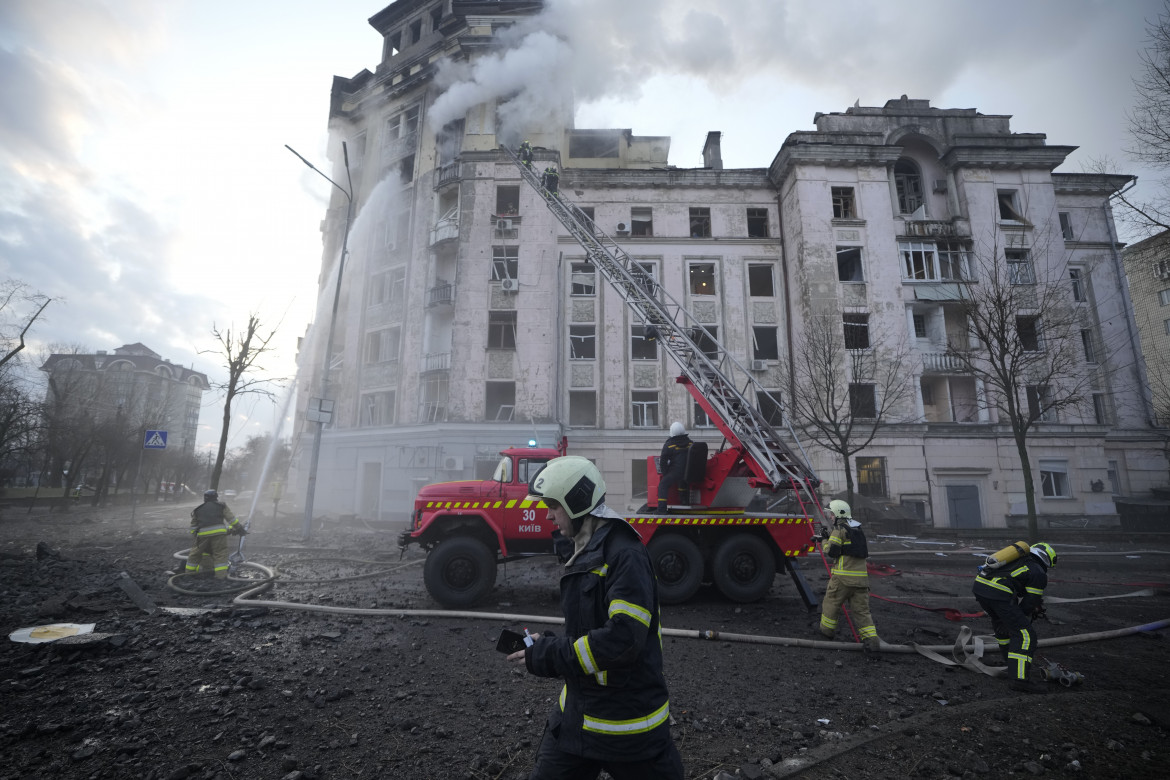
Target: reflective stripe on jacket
{"x":212,"y":517}
{"x":848,"y":550}
{"x":1025,"y":580}
{"x":614,"y":704}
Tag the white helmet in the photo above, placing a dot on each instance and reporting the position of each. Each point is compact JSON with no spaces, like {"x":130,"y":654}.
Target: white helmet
{"x":677,"y":429}
{"x":571,"y":481}
{"x":840,"y":510}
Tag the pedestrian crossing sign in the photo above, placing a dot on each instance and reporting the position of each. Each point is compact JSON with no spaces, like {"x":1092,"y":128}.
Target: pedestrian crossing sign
{"x":155,"y":440}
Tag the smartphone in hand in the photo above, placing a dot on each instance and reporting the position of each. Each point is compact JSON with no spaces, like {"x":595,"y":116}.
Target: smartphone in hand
{"x":512,"y":641}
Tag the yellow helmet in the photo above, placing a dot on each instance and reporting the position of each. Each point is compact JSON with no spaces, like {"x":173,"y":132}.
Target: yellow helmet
{"x":840,"y":509}
{"x":571,"y":481}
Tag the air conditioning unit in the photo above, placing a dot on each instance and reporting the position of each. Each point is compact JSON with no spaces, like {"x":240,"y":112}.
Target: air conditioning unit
{"x":453,"y":463}
{"x":940,"y":185}
{"x":510,"y":285}
{"x":622,"y":228}
{"x":759,"y":365}
{"x":503,"y":224}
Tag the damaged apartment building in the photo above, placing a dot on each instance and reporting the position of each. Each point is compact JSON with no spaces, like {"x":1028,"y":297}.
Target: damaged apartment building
{"x":470,"y":321}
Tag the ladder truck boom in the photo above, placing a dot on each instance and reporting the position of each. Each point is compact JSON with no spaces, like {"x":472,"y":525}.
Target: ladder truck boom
{"x":718,"y":382}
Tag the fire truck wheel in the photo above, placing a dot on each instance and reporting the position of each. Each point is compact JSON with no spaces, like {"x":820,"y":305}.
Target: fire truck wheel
{"x":460,"y":572}
{"x":743,"y":568}
{"x":678,"y":565}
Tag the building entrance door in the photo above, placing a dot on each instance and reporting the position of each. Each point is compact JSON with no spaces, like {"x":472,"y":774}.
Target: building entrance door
{"x":963,"y":506}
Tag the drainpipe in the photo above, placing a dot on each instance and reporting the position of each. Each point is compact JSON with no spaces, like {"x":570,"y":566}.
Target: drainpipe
{"x":1119,"y":269}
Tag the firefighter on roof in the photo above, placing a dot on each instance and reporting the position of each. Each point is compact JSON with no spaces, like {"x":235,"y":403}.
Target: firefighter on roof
{"x":847,"y":548}
{"x":211,"y":522}
{"x":1013,"y":596}
{"x":614,"y":709}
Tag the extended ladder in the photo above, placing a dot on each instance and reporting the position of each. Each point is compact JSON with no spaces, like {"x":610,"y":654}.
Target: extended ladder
{"x":715,"y":379}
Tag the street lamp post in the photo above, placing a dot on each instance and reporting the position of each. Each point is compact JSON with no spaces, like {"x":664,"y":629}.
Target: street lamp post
{"x":323,"y":416}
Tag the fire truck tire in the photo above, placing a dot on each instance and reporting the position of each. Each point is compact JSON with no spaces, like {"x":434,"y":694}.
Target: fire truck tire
{"x":743,"y":568}
{"x":460,"y":572}
{"x":678,"y":565}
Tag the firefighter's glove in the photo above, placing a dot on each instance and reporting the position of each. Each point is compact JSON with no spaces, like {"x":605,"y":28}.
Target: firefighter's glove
{"x":824,"y":533}
{"x":238,"y":530}
{"x":1039,"y":613}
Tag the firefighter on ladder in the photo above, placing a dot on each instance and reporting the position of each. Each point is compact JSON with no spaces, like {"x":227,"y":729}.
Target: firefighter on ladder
{"x":1013,"y":597}
{"x":848,"y":581}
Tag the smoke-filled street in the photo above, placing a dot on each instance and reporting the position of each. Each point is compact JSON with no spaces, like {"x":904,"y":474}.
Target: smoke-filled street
{"x":279,"y":692}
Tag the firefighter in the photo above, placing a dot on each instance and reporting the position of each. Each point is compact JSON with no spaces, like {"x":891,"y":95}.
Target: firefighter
{"x":672,"y":464}
{"x":526,"y":154}
{"x":1013,"y":597}
{"x":551,"y":180}
{"x":848,"y":582}
{"x":211,"y":522}
{"x":614,"y":708}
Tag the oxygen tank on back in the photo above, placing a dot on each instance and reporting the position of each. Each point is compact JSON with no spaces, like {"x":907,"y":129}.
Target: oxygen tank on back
{"x":1012,"y":552}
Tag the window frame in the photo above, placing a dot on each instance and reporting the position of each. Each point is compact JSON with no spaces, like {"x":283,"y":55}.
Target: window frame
{"x":1008,"y":207}
{"x":863,"y":398}
{"x":386,"y":342}
{"x":377,"y":401}
{"x":500,"y":403}
{"x":760,"y":221}
{"x":501,"y":331}
{"x":1019,"y":265}
{"x":641,"y":345}
{"x":583,"y":341}
{"x":855,"y":329}
{"x":506,"y":261}
{"x":699,"y":216}
{"x":927,"y":257}
{"x":1164,"y":297}
{"x":1028,"y":331}
{"x":582,"y":289}
{"x":1066,"y":229}
{"x":1076,"y":280}
{"x":695,"y":269}
{"x":754,"y":271}
{"x":1038,"y":398}
{"x":908,"y":186}
{"x":844,"y":202}
{"x":647,"y":225}
{"x":577,"y":408}
{"x":1054,"y":481}
{"x":767,"y":348}
{"x":1089,"y":345}
{"x":855,"y":257}
{"x":643,"y":405}
{"x":866,"y":467}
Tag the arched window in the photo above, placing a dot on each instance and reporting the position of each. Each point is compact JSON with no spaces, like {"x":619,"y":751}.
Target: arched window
{"x":908,"y":180}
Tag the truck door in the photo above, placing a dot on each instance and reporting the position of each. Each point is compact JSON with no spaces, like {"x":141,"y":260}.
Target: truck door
{"x":526,"y":520}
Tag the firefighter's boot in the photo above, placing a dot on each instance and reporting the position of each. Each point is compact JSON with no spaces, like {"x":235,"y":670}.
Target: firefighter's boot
{"x":662,"y":507}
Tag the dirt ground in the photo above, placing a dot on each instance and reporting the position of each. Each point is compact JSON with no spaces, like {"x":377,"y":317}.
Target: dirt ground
{"x":409,"y":690}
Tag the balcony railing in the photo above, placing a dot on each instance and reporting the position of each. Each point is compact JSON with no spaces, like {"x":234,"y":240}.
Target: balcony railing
{"x":436,"y":361}
{"x":441,"y":295}
{"x":941,"y":363}
{"x":447,"y":173}
{"x":444,"y":230}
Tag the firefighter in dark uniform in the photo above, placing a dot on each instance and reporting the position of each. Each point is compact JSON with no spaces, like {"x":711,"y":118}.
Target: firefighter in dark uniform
{"x":672,"y":464}
{"x":526,"y":154}
{"x":847,"y":547}
{"x":1013,"y":596}
{"x":551,"y":180}
{"x":613,"y":712}
{"x":211,"y":522}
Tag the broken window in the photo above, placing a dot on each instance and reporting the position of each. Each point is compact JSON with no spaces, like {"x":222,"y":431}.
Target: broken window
{"x":700,"y":222}
{"x":927,"y":261}
{"x":1089,"y":345}
{"x":702,"y":278}
{"x":434,"y":396}
{"x":908,"y":183}
{"x":702,"y":419}
{"x":505,"y":262}
{"x":644,"y":409}
{"x":393,"y":45}
{"x":583,"y":408}
{"x":507,"y":200}
{"x":416,"y":31}
{"x":406,"y":170}
{"x":952,"y":261}
{"x":1028,"y":330}
{"x":770,"y":407}
{"x":706,"y":338}
{"x":378,"y":290}
{"x":761,"y":280}
{"x":397,"y":278}
{"x":765,"y":343}
{"x":643,"y":342}
{"x":863,"y":401}
{"x":871,"y":477}
{"x":582,"y":342}
{"x":849,"y":264}
{"x":843,"y":205}
{"x":501,"y":330}
{"x":500,"y":401}
{"x":377,"y":408}
{"x":1066,"y":228}
{"x":593,"y":143}
{"x":436,"y":15}
{"x":1054,"y":479}
{"x":382,"y":345}
{"x":587,"y":211}
{"x":583,"y":279}
{"x":1039,"y":403}
{"x":757,"y":223}
{"x":1009,"y":206}
{"x":641,"y":221}
{"x":1101,"y":409}
{"x":1019,"y":263}
{"x":856,"y":330}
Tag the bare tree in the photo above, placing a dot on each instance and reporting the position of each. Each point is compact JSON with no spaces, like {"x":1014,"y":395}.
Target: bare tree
{"x":847,"y":382}
{"x":20,"y":307}
{"x":240,"y":351}
{"x":1149,"y":130}
{"x":1025,"y":343}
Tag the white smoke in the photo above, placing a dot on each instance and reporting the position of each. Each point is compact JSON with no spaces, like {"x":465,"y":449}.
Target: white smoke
{"x":581,"y":51}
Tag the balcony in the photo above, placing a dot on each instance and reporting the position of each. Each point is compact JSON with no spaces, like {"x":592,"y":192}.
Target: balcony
{"x":448,"y":173}
{"x":441,"y":295}
{"x":935,"y":228}
{"x":436,"y":361}
{"x":444,"y":230}
{"x":941,"y":363}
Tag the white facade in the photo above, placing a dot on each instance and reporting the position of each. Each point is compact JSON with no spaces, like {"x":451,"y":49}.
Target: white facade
{"x":468,"y":321}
